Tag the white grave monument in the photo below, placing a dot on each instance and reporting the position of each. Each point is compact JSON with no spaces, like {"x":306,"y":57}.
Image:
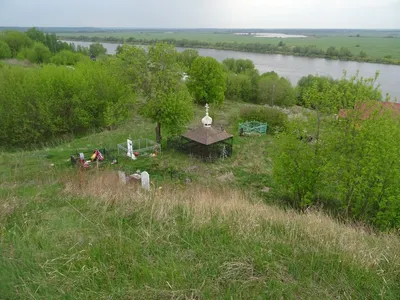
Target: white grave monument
{"x":129,"y":145}
{"x":122,"y":177}
{"x":145,"y":180}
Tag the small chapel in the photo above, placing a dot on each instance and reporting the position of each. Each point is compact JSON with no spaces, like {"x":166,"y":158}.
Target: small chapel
{"x":206,"y":141}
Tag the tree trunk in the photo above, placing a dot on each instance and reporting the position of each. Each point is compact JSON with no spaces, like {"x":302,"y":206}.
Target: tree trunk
{"x":158,"y":133}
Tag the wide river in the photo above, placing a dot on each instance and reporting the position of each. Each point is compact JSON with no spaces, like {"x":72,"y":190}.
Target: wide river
{"x":294,"y":67}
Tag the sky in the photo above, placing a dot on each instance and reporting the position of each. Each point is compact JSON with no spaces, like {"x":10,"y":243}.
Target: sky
{"x":202,"y":13}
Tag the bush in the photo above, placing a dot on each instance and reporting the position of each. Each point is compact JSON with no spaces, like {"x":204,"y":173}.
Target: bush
{"x":39,"y":53}
{"x":67,"y":58}
{"x":348,"y":166}
{"x":275,"y":90}
{"x":41,"y":104}
{"x":5,"y":51}
{"x":275,"y":119}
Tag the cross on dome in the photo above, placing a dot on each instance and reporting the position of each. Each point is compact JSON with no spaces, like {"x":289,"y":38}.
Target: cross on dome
{"x":207,"y":120}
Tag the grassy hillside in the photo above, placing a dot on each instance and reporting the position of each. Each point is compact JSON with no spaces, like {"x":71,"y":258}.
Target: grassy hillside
{"x":63,"y":238}
{"x":374,"y":46}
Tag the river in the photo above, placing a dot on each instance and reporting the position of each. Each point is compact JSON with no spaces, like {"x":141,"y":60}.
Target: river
{"x":294,"y":67}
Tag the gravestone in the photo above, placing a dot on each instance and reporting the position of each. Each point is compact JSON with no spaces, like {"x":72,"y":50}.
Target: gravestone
{"x":122,"y":177}
{"x":145,"y":181}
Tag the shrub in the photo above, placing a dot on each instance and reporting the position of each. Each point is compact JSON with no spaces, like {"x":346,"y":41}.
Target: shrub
{"x":39,"y":53}
{"x":275,"y":118}
{"x":66,"y":57}
{"x":5,"y":51}
{"x":41,"y":104}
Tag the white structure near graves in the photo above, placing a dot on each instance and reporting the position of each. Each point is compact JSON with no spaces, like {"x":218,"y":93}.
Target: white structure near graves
{"x":122,"y":177}
{"x":129,"y":146}
{"x":145,"y":177}
{"x":143,"y":146}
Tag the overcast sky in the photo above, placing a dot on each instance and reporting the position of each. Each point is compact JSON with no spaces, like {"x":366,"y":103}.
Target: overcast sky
{"x":203,"y":13}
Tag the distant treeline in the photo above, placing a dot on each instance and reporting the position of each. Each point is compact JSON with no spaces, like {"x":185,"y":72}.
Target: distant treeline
{"x":342,"y":53}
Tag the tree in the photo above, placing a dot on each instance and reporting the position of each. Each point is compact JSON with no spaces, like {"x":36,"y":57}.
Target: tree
{"x":39,"y":53}
{"x":273,"y":90}
{"x":187,"y":56}
{"x":119,"y":49}
{"x":363,"y":54}
{"x":324,"y":93}
{"x":97,"y":49}
{"x":244,"y":66}
{"x":350,"y":166}
{"x":239,"y":87}
{"x":345,"y":52}
{"x":230,"y":64}
{"x":17,"y":41}
{"x":5,"y":51}
{"x":207,"y":82}
{"x":40,"y":104}
{"x":167,"y":100}
{"x":238,"y":66}
{"x":36,"y":35}
{"x":68,"y":58}
{"x":132,"y":65}
{"x":170,"y":109}
{"x":332,"y":52}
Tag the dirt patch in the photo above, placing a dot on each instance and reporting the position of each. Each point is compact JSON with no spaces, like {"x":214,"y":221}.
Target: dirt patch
{"x":16,"y":62}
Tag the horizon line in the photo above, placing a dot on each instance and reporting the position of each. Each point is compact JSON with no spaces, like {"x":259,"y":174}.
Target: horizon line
{"x":197,"y":28}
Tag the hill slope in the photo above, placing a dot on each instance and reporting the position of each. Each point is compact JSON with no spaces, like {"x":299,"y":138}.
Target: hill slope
{"x":107,"y":241}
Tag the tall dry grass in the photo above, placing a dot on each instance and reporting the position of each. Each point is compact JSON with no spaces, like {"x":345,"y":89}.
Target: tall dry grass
{"x":204,"y":204}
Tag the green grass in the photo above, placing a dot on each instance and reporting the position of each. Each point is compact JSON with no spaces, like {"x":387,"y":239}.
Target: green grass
{"x":374,"y":46}
{"x":212,"y":239}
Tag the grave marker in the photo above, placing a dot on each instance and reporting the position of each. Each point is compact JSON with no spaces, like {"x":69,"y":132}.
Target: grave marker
{"x":145,"y":181}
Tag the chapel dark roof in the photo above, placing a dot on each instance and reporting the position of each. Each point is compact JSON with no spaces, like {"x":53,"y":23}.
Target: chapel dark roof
{"x":207,"y":135}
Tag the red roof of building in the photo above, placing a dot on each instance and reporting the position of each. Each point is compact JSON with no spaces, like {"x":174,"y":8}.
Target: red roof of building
{"x":366,"y":108}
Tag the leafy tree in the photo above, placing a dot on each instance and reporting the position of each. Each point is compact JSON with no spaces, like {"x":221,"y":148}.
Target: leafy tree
{"x":82,"y":49}
{"x":36,"y":35}
{"x":67,"y":57}
{"x":298,"y":163}
{"x":207,"y":81}
{"x":167,"y":100}
{"x":345,"y":52}
{"x":39,"y":104}
{"x":367,"y":166}
{"x":244,"y":66}
{"x":363,"y":54}
{"x":17,"y":40}
{"x":324,"y":93}
{"x":238,"y":66}
{"x":332,"y":52}
{"x":230,"y":64}
{"x":132,"y":65}
{"x":239,"y":87}
{"x":97,"y":49}
{"x":5,"y":51}
{"x":273,"y":90}
{"x":119,"y":49}
{"x":56,"y":45}
{"x":39,"y":53}
{"x":187,"y":56}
